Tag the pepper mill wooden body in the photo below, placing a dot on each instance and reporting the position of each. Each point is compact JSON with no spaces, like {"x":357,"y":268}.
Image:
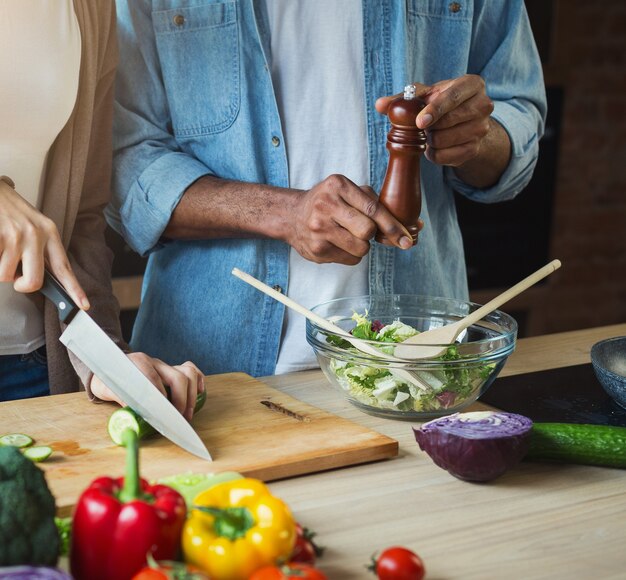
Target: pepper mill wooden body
{"x":401,"y":192}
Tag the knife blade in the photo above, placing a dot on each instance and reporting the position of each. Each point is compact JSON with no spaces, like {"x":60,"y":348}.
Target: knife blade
{"x":107,"y":361}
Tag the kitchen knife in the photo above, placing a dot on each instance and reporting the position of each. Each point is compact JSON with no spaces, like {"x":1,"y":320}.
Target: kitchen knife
{"x":107,"y":361}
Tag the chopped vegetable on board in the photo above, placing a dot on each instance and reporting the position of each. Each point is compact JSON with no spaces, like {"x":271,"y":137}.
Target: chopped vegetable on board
{"x":16,"y":440}
{"x":37,"y":453}
{"x":126,"y":418}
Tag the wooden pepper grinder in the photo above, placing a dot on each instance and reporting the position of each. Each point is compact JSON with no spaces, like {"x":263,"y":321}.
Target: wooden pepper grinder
{"x":401,"y":192}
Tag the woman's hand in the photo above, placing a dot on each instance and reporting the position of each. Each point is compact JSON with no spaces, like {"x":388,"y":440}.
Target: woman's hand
{"x":184,"y":382}
{"x":29,"y":238}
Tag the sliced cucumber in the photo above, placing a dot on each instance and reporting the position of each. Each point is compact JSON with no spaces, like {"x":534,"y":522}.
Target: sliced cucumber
{"x":16,"y":440}
{"x":601,"y":445}
{"x":126,"y":418}
{"x":38,"y":453}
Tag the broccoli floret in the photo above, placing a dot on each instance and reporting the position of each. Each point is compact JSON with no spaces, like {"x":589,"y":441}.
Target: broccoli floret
{"x":28,"y":534}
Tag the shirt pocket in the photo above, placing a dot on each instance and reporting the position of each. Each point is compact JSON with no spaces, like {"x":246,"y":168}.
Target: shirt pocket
{"x":198,"y":49}
{"x":439,"y":38}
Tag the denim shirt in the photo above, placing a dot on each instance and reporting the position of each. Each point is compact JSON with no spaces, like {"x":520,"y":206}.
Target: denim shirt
{"x":195,"y":97}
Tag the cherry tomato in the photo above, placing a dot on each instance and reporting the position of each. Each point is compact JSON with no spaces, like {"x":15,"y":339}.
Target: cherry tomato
{"x":168,"y":571}
{"x":305,"y":550}
{"x":150,"y":574}
{"x":397,"y":563}
{"x":289,"y":572}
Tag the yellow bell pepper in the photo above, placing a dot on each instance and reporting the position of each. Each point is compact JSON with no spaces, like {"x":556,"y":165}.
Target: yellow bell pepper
{"x":237,"y":527}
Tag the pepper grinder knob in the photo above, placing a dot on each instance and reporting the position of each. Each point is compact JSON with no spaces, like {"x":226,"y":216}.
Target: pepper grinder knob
{"x":401,"y":192}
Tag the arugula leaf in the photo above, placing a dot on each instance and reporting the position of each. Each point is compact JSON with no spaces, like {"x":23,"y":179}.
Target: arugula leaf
{"x":363,"y":328}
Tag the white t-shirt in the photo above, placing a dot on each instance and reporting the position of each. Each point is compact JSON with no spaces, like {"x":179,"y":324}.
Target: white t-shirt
{"x":317,"y":62}
{"x":40,"y":50}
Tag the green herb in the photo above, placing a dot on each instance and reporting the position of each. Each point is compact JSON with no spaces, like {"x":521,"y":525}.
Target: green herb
{"x":64,"y":527}
{"x":363,"y":328}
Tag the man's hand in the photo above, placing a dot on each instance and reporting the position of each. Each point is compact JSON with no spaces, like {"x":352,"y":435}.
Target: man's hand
{"x":459,"y":128}
{"x":29,"y":238}
{"x":184,"y":381}
{"x":332,"y":222}
{"x":335,"y":221}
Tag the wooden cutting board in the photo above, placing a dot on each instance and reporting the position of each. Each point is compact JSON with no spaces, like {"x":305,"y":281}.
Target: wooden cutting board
{"x":247,"y":426}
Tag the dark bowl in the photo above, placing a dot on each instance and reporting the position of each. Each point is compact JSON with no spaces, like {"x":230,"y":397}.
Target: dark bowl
{"x":608,"y":358}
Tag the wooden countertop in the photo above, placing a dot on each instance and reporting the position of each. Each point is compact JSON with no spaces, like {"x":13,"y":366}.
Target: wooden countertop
{"x":537,"y":521}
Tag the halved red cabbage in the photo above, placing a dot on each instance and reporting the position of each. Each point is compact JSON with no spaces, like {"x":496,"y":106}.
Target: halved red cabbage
{"x":477,"y":446}
{"x":33,"y":573}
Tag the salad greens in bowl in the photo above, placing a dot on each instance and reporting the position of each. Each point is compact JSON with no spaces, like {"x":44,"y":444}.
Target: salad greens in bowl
{"x":413,"y":389}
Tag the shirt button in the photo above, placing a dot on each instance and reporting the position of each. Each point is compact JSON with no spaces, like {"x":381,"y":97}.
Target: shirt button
{"x":275,"y":141}
{"x":454,"y":7}
{"x":277,"y":288}
{"x":179,"y":20}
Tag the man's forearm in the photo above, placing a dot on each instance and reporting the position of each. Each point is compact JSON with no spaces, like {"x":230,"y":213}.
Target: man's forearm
{"x":219,"y":208}
{"x":487,"y":167}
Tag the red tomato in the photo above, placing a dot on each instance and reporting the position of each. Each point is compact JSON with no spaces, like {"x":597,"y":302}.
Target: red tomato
{"x":150,"y":574}
{"x":305,"y":550}
{"x":288,"y":572}
{"x":169,"y":570}
{"x":398,"y":563}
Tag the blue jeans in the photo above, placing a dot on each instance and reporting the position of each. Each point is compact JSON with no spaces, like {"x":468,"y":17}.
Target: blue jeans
{"x":23,"y":376}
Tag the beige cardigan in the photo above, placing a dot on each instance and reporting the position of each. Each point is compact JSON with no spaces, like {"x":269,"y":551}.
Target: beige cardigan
{"x":77,"y":188}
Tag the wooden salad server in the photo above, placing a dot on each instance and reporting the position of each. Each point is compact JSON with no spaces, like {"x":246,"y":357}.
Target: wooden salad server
{"x":327,"y":325}
{"x":436,"y":340}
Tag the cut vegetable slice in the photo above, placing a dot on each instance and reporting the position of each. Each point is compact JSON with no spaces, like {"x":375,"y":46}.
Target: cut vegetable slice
{"x":476,"y":446}
{"x":38,"y":453}
{"x":16,"y":440}
{"x":126,"y":418}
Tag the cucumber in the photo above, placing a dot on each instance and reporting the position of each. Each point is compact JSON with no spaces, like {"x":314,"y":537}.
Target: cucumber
{"x":573,"y":443}
{"x":126,"y":418}
{"x":38,"y":453}
{"x":16,"y":440}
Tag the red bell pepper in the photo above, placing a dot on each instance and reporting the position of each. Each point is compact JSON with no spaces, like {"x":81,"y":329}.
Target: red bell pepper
{"x":117,"y":522}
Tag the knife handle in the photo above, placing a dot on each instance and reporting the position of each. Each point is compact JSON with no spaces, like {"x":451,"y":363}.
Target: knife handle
{"x":54,"y":292}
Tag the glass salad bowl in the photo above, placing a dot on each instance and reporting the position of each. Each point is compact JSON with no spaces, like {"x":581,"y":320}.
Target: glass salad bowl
{"x":410,"y":388}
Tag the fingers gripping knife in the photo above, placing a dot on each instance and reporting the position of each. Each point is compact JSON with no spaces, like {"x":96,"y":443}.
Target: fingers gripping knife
{"x":401,"y":192}
{"x":105,"y":359}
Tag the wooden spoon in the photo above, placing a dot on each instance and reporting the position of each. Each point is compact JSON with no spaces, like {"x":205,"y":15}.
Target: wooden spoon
{"x":330,"y":327}
{"x":445,"y":335}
